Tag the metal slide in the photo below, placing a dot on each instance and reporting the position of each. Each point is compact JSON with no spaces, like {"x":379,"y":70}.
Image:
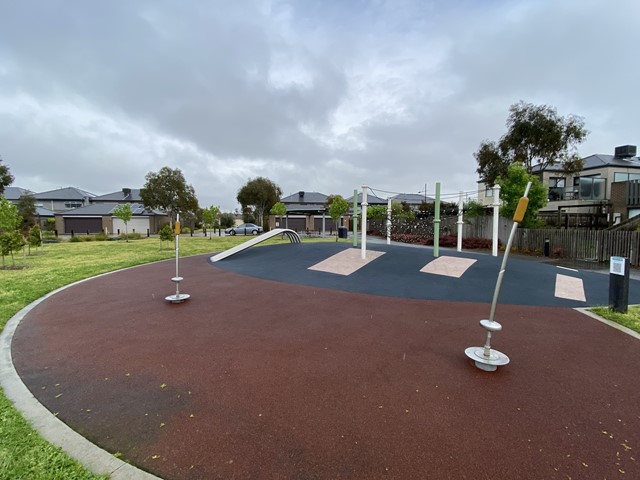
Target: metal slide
{"x":293,"y":237}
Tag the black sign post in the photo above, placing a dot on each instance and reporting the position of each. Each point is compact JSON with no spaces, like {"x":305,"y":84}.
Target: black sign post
{"x":619,"y":284}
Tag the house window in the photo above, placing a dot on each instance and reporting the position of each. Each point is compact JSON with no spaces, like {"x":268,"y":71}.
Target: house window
{"x":590,"y":188}
{"x":556,"y":188}
{"x":625,"y":177}
{"x":488,"y":192}
{"x":72,"y":205}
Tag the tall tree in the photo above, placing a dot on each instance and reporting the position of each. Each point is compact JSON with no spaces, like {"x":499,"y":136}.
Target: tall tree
{"x":124,"y":213}
{"x":261,"y":194}
{"x":6,"y":178}
{"x":536,"y":135}
{"x":27,"y":211}
{"x":227,"y":220}
{"x":512,"y":187}
{"x":337,"y":207}
{"x":168,"y":190}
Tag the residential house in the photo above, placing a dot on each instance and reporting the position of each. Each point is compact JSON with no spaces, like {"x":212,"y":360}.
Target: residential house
{"x":306,"y":211}
{"x":63,"y":199}
{"x":13,"y":194}
{"x":98,"y":218}
{"x":414,"y":200}
{"x":585,"y":196}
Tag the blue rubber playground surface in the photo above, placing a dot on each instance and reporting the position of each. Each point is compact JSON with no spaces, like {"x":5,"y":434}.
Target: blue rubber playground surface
{"x":397,"y":274}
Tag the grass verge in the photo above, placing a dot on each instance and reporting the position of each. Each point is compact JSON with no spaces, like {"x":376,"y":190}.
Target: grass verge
{"x":24,"y":455}
{"x":631,"y":319}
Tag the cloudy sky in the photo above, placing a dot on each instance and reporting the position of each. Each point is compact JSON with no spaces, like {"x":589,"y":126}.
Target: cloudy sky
{"x":315,"y":95}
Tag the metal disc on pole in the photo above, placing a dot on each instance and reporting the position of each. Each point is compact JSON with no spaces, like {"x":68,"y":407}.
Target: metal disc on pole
{"x":178,"y":297}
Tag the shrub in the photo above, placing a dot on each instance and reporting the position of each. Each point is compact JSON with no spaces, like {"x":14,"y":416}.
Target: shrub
{"x":445,"y":241}
{"x":185,"y":230}
{"x":166,"y":233}
{"x":101,"y":237}
{"x":131,"y":236}
{"x":75,"y":239}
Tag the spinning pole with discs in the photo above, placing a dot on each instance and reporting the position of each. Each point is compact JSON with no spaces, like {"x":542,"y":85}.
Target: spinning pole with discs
{"x":178,"y":297}
{"x":485,"y":357}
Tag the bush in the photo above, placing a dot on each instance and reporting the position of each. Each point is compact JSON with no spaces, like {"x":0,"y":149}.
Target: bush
{"x":166,"y":233}
{"x":185,"y":230}
{"x":75,"y":239}
{"x":101,"y":237}
{"x":131,"y":236}
{"x":471,"y":243}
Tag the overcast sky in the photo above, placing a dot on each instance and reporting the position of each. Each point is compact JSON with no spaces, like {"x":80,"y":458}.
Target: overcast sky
{"x":315,"y":95}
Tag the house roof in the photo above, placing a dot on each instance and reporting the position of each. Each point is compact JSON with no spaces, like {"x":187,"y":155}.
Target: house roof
{"x":596,"y":161}
{"x":14,"y":193}
{"x":306,"y":209}
{"x":599,"y":160}
{"x":67,"y":193}
{"x":412,"y":198}
{"x":371,"y":199}
{"x":125,"y":195}
{"x":104,"y":209}
{"x":44,"y":212}
{"x":304,"y":197}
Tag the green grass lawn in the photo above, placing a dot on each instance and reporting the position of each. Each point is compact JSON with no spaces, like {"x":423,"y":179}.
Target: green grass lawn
{"x":631,"y":319}
{"x":24,"y":455}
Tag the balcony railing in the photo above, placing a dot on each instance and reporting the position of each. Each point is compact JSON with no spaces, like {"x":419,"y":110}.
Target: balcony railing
{"x":586,"y":189}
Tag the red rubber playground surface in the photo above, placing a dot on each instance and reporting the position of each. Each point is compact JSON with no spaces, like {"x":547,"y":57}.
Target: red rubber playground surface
{"x":260,"y":379}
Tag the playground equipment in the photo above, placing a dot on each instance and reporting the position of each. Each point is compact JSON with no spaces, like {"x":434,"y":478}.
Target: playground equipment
{"x":290,"y":234}
{"x":178,"y":297}
{"x":485,"y":357}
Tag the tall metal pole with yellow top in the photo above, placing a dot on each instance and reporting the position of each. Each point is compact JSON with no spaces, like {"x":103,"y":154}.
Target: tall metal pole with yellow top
{"x":485,"y":357}
{"x":178,"y":297}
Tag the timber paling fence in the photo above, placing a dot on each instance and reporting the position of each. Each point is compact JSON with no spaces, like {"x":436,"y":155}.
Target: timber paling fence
{"x":594,"y":245}
{"x":576,"y":244}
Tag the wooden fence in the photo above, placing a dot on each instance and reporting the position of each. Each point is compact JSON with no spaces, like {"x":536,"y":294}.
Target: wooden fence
{"x":579,"y":244}
{"x":595,"y":245}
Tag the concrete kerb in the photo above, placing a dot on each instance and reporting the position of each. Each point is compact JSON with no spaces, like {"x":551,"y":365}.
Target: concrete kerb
{"x":55,"y":431}
{"x":617,"y":326}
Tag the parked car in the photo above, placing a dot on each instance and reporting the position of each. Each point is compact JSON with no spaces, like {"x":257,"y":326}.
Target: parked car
{"x":244,"y":229}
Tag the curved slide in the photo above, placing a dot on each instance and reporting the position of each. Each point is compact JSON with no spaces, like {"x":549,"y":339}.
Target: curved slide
{"x":293,"y":237}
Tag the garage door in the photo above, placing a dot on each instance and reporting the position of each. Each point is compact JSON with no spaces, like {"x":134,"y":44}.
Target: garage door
{"x":297,"y":224}
{"x":82,"y":225}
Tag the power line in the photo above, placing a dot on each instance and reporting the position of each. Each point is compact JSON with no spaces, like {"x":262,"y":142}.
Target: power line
{"x":442,"y":195}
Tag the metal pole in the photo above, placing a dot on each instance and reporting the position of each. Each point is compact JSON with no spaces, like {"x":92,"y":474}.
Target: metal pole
{"x":503,"y":267}
{"x":389,"y":221}
{"x":436,"y":223}
{"x":496,"y":219}
{"x":460,"y":222}
{"x":355,"y":217}
{"x":177,"y":249}
{"x":363,"y":250}
{"x":485,"y":358}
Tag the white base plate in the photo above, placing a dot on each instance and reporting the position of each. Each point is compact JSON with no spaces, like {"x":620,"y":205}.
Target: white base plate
{"x":177,"y":298}
{"x":490,"y":364}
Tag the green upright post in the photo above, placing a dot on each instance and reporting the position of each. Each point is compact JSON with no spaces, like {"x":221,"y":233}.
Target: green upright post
{"x":355,"y":218}
{"x":436,"y":223}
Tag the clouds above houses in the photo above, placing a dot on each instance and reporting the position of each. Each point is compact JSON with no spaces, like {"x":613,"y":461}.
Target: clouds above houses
{"x":315,"y":95}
